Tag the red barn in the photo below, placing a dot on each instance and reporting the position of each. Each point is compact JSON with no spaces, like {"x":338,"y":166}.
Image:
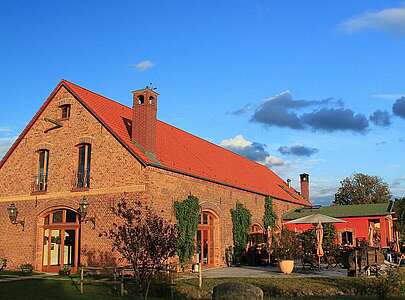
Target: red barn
{"x":359,"y":217}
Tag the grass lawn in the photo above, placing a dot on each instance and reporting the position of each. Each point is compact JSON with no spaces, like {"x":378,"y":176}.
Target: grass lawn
{"x":39,"y":289}
{"x":13,"y":273}
{"x":291,"y":288}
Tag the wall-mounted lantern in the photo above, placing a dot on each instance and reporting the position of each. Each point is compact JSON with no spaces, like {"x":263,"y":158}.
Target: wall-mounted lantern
{"x":12,"y":211}
{"x":83,"y":210}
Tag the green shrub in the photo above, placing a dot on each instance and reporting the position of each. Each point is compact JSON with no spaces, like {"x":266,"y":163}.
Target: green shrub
{"x":187,"y":215}
{"x":241,"y":221}
{"x":269,"y":218}
{"x":389,"y":285}
{"x":286,"y":246}
{"x":26,"y":269}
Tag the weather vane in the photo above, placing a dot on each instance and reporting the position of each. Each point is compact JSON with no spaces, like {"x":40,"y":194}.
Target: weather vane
{"x":150,"y":87}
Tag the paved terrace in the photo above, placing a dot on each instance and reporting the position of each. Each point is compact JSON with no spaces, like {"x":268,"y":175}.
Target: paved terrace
{"x":222,"y":272}
{"x":267,"y":272}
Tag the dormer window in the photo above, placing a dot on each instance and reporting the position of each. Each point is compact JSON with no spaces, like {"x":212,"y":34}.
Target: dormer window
{"x":65,"y":111}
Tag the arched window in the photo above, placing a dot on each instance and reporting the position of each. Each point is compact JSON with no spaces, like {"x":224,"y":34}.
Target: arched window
{"x":151,"y":99}
{"x":256,"y":235}
{"x":141,"y":99}
{"x":60,"y":240}
{"x":256,"y":228}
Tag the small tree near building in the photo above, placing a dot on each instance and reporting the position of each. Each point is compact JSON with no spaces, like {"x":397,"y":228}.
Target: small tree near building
{"x":187,"y":215}
{"x":144,"y":239}
{"x":361,"y":188}
{"x":269,"y":218}
{"x":399,"y":206}
{"x":241,"y":220}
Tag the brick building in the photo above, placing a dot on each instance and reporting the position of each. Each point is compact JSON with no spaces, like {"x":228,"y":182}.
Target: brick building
{"x":81,"y":144}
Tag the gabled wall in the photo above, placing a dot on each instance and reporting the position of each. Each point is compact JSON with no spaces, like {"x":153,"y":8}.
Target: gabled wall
{"x":113,"y":171}
{"x":111,"y":164}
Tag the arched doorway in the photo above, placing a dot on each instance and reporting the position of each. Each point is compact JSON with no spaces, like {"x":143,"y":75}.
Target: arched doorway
{"x":206,"y":238}
{"x":256,"y":235}
{"x":60,"y":240}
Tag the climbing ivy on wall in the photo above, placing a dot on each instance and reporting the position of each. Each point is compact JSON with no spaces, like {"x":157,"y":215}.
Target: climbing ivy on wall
{"x":241,"y":221}
{"x":187,"y":215}
{"x":269,"y":218}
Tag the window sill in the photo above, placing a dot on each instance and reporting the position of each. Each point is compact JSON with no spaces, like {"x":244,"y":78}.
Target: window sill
{"x":39,"y":193}
{"x":79,"y":190}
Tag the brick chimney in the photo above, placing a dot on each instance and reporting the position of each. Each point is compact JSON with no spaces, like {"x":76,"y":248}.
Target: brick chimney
{"x":144,"y":119}
{"x":305,"y":185}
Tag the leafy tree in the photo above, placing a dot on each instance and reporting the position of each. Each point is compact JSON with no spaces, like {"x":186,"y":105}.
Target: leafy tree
{"x":144,"y":239}
{"x":269,"y":218}
{"x":399,"y":206}
{"x":187,"y":215}
{"x":241,"y":221}
{"x":361,"y":188}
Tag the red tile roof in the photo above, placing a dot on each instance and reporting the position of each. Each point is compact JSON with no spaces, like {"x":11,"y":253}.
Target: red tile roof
{"x":180,"y":151}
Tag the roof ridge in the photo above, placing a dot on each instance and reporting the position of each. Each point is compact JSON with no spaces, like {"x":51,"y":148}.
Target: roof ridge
{"x":356,"y":204}
{"x":225,"y":149}
{"x":255,"y":163}
{"x":93,"y":92}
{"x":216,"y":145}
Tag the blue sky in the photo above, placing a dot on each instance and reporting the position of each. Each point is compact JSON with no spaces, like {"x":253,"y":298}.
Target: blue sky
{"x":292,"y":84}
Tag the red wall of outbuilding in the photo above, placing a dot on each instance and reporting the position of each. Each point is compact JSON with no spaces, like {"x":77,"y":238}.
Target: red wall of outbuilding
{"x":359,"y":225}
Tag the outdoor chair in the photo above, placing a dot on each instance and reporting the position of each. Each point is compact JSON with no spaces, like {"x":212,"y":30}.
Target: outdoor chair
{"x":331,"y":261}
{"x":309,"y":262}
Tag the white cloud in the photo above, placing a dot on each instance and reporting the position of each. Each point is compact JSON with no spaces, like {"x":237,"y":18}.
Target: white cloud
{"x":252,"y":150}
{"x":237,"y":142}
{"x":5,"y":144}
{"x":391,"y":20}
{"x":273,"y":161}
{"x":144,"y":65}
{"x":5,"y":130}
{"x":388,"y":96}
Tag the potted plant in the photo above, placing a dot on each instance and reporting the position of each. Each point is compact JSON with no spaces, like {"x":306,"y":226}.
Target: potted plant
{"x":65,"y":271}
{"x":26,"y":269}
{"x":3,"y":263}
{"x":285,"y":249}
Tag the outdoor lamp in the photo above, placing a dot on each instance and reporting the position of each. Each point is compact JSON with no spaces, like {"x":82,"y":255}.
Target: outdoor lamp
{"x":83,"y":209}
{"x":12,"y":211}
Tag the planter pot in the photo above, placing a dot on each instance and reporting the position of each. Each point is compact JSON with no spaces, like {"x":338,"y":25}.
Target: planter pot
{"x":195,"y":268}
{"x":26,"y":271}
{"x":286,"y":266}
{"x":237,"y":261}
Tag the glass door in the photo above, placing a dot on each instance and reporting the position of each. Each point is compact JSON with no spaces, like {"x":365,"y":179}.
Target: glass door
{"x":55,"y":248}
{"x":69,"y":244}
{"x":60,"y":241}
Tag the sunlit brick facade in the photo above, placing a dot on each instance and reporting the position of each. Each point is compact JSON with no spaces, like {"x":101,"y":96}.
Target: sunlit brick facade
{"x":90,"y":154}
